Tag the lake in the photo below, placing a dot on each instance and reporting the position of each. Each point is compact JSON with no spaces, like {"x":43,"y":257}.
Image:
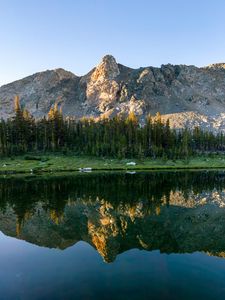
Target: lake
{"x":148,"y":235}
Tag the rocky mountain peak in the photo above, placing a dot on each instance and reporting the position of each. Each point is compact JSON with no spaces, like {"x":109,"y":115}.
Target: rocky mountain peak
{"x":107,"y":69}
{"x":187,"y":95}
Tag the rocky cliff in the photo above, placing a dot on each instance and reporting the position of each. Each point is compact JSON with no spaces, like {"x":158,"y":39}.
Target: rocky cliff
{"x":186,"y":94}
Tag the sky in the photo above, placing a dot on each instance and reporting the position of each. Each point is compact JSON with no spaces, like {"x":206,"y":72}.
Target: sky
{"x":36,"y":35}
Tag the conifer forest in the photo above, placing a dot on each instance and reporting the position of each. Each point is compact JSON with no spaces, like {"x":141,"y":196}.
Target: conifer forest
{"x":119,"y":137}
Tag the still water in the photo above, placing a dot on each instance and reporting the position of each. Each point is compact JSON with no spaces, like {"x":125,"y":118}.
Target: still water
{"x":156,"y":235}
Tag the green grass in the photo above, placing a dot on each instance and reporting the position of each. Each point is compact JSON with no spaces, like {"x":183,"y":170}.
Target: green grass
{"x":60,"y":163}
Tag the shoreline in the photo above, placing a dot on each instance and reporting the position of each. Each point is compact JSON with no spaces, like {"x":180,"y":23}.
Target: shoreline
{"x":49,"y":164}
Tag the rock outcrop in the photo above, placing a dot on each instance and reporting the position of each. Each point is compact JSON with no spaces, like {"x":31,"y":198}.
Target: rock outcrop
{"x":186,"y":94}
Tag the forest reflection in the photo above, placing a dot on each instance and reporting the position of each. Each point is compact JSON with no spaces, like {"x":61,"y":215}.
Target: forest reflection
{"x":169,"y":211}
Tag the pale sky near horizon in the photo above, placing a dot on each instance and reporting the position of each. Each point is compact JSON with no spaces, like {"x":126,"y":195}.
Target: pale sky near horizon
{"x":75,"y":34}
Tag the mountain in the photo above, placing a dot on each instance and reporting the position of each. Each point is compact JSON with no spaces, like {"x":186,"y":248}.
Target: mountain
{"x":188,"y":95}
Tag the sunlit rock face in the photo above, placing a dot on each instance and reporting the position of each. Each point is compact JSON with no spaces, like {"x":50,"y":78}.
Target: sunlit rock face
{"x":182,"y":213}
{"x":102,"y":88}
{"x":188,"y":95}
{"x":107,"y":69}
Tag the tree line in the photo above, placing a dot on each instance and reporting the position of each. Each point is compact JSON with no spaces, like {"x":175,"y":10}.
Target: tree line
{"x":119,"y":137}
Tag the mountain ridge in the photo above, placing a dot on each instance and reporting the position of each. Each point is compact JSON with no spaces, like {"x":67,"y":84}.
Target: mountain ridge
{"x":188,"y":95}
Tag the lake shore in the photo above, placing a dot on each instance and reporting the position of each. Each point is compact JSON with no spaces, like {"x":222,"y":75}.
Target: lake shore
{"x":61,"y":163}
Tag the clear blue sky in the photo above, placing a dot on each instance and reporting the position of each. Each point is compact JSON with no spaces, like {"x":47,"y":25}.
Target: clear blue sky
{"x":37,"y":35}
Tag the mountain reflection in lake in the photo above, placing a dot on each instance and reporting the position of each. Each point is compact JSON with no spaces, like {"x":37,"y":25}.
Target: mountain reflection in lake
{"x":176,"y":213}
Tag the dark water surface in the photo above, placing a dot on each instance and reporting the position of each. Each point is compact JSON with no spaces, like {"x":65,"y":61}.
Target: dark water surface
{"x":156,"y":235}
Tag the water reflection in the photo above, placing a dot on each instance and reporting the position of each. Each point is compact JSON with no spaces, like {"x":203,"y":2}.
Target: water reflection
{"x":175,"y":212}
